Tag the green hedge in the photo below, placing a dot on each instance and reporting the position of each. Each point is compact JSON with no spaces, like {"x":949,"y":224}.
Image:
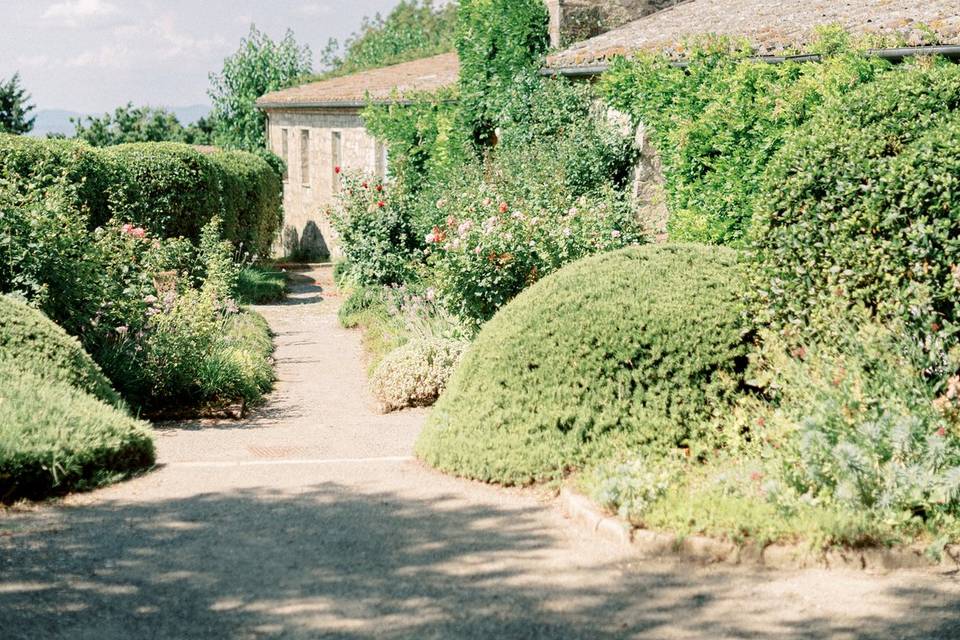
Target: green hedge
{"x":170,"y":189}
{"x":640,"y":347}
{"x":55,"y":438}
{"x":862,"y":207}
{"x":33,"y":343}
{"x":717,"y":122}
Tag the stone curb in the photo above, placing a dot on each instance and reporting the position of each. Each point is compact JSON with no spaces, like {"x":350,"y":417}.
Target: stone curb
{"x":648,"y":544}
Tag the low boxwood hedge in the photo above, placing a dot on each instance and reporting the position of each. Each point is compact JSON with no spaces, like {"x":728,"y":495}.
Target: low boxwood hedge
{"x":56,"y":438}
{"x":32,"y":343}
{"x":170,"y":189}
{"x":641,"y":347}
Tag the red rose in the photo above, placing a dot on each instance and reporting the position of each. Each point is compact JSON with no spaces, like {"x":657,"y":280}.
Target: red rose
{"x":379,"y":187}
{"x":381,"y":204}
{"x":504,"y":207}
{"x":336,"y":169}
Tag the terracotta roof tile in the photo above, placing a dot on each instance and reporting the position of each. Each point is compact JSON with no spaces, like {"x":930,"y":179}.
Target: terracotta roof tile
{"x":426,"y":74}
{"x":770,"y":25}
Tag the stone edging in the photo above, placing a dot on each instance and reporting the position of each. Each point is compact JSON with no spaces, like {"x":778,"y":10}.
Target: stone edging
{"x":582,"y":511}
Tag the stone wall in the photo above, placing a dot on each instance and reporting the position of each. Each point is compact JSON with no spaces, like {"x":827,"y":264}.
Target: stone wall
{"x":307,"y":196}
{"x":575,"y":20}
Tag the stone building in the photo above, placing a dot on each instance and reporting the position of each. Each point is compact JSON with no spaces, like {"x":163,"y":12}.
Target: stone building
{"x":774,"y":28}
{"x":316,"y":128}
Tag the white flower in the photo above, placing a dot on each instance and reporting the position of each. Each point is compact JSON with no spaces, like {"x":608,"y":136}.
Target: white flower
{"x":567,"y":232}
{"x":465,"y":227}
{"x":431,"y":294}
{"x":615,"y":234}
{"x":431,"y":238}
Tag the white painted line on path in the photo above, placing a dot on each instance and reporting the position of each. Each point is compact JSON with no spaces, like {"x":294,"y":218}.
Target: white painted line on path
{"x":266,"y":463}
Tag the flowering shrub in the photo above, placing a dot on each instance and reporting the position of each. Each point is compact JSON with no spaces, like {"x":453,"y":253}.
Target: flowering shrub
{"x":857,"y":426}
{"x":374,"y":235}
{"x":415,"y":374}
{"x":490,"y":249}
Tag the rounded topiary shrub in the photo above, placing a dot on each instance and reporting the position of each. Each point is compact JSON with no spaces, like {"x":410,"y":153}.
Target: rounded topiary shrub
{"x":32,"y":343}
{"x":862,"y":208}
{"x":56,"y":438}
{"x":641,"y":347}
{"x":415,"y":374}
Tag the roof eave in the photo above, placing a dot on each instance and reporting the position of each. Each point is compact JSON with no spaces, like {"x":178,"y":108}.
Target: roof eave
{"x":896,"y":54}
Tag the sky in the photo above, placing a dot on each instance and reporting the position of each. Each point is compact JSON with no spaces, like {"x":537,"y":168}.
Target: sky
{"x":91,"y":56}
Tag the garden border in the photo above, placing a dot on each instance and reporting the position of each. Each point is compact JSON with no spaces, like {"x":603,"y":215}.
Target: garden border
{"x":701,"y":549}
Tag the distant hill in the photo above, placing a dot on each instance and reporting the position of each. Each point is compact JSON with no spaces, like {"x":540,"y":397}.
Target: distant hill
{"x":58,"y":120}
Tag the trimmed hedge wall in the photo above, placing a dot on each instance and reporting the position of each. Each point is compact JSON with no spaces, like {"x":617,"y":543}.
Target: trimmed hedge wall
{"x":171,"y":189}
{"x":641,"y":348}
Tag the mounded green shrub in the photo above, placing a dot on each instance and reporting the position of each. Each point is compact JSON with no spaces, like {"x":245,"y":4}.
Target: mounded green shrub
{"x":862,"y":207}
{"x":56,"y":438}
{"x":170,"y":189}
{"x":31,"y":343}
{"x":415,"y":374}
{"x":641,"y":347}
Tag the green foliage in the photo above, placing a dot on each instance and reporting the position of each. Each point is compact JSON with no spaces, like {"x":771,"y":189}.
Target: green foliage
{"x":374,"y":236}
{"x":170,"y":189}
{"x":215,"y":257}
{"x":258,"y":67}
{"x":55,"y":438}
{"x":496,"y":40}
{"x":14,"y":107}
{"x":642,"y":347}
{"x":413,"y":29}
{"x":251,"y":191}
{"x":857,"y":427}
{"x":167,"y":188}
{"x":718,"y":121}
{"x":138,"y":124}
{"x":33,"y":343}
{"x":257,"y":285}
{"x":423,"y":138}
{"x":415,"y":374}
{"x":861,"y":208}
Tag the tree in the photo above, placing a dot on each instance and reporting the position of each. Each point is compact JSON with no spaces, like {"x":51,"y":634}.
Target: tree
{"x":130,"y":124}
{"x":414,"y":29}
{"x":14,"y":108}
{"x":258,"y":67}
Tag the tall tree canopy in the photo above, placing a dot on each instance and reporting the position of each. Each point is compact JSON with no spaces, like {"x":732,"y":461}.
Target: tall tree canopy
{"x":260,"y":65}
{"x":14,"y":110}
{"x":139,"y":124}
{"x":413,"y":29}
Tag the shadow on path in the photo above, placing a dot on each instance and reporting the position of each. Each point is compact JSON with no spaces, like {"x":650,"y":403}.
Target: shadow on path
{"x":335,"y":562}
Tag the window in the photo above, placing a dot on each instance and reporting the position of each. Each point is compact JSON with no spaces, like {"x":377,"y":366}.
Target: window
{"x":380,"y":162}
{"x":305,"y":157}
{"x":336,"y":155}
{"x":285,"y":153}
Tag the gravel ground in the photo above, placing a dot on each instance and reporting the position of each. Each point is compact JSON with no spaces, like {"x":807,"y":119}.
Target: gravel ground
{"x":310,"y":519}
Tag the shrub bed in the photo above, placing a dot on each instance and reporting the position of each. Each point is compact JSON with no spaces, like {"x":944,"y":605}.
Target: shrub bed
{"x":641,"y":347}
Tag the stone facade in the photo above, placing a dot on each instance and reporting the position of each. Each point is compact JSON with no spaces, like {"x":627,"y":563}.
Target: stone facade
{"x":314,"y":142}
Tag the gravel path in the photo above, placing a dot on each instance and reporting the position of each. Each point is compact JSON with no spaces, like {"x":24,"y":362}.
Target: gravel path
{"x":310,"y":519}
